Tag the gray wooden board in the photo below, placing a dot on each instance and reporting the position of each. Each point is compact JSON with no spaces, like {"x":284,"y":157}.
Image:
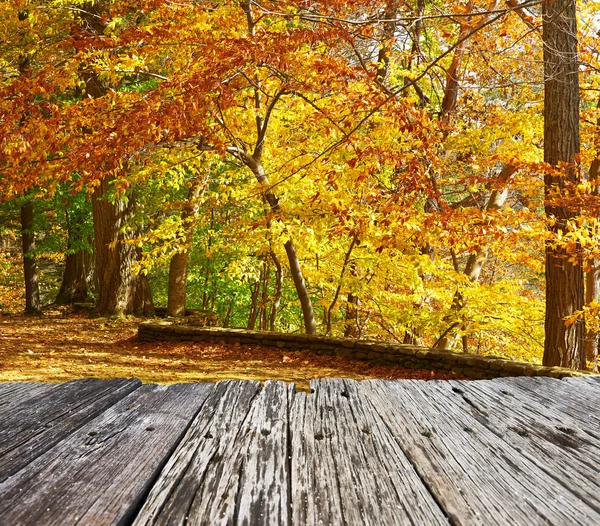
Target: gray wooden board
{"x":347,"y":467}
{"x":37,"y":425}
{"x":203,"y":480}
{"x":552,"y":441}
{"x":14,"y":394}
{"x":477,"y":477}
{"x":576,"y":401}
{"x":101,"y":473}
{"x":594,"y":380}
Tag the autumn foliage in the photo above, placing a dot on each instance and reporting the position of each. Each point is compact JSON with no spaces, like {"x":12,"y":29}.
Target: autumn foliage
{"x":396,"y":147}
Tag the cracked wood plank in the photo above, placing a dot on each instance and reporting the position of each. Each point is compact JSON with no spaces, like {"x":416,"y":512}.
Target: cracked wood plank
{"x":231,"y":466}
{"x":346,"y":466}
{"x":576,"y":401}
{"x":15,"y":393}
{"x":551,"y":440}
{"x":477,"y":477}
{"x":101,"y":473}
{"x":34,"y":427}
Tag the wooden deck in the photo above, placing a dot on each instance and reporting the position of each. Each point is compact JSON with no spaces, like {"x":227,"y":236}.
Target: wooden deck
{"x":506,"y":451}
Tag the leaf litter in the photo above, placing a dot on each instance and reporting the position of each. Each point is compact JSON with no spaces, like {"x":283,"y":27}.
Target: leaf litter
{"x":59,"y":348}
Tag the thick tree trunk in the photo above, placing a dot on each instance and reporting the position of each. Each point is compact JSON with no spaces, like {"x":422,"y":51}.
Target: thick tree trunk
{"x":32,"y":291}
{"x":564,"y":345}
{"x":77,"y":278}
{"x":120,"y":292}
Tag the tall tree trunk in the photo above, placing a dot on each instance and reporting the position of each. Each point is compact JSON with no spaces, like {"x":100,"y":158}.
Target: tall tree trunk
{"x":176,"y":300}
{"x":278,"y":292}
{"x":178,"y":266}
{"x":120,"y":292}
{"x":78,"y":276}
{"x":32,"y":291}
{"x":592,"y":280}
{"x":310,"y":326}
{"x":564,"y":345}
{"x":254,"y":294}
{"x":592,"y":291}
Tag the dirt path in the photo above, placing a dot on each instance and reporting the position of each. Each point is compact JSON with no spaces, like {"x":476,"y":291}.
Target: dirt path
{"x":57,"y":348}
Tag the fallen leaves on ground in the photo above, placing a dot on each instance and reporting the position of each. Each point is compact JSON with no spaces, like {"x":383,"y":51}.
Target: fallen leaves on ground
{"x":57,"y":348}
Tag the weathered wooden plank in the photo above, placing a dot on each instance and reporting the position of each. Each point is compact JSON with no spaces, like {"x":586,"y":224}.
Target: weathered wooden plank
{"x":101,"y":473}
{"x":14,"y":394}
{"x":576,"y":401}
{"x":594,"y":380}
{"x":200,"y":483}
{"x":37,"y":425}
{"x":346,"y":466}
{"x":316,"y":496}
{"x":476,"y":476}
{"x":551,"y":440}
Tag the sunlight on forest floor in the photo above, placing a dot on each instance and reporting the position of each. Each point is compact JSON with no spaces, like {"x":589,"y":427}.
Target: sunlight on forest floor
{"x":57,"y":348}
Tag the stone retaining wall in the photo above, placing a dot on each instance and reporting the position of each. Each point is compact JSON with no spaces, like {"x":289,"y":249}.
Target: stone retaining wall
{"x":465,"y":364}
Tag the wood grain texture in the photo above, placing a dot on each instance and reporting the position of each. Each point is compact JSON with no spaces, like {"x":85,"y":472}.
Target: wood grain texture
{"x":476,"y":476}
{"x":552,"y":441}
{"x":101,"y":473}
{"x":346,"y":466}
{"x":35,"y":426}
{"x":14,"y":394}
{"x":201,"y":479}
{"x":577,"y":401}
{"x":504,"y":451}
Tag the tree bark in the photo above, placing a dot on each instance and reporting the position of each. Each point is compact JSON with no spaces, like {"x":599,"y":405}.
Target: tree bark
{"x":592,"y":280}
{"x":120,"y":292}
{"x":176,"y":301}
{"x":32,"y":291}
{"x":278,"y":292}
{"x":564,"y":345}
{"x":351,"y":329}
{"x":592,"y":290}
{"x":78,"y":276}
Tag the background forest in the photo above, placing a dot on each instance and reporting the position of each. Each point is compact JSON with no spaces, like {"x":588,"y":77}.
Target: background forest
{"x":344,"y":167}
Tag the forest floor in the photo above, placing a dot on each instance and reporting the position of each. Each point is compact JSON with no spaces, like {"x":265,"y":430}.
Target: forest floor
{"x":58,"y":348}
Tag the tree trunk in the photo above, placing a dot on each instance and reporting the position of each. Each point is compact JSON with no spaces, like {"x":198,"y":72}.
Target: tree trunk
{"x":351,"y":329}
{"x":278,"y":292}
{"x":176,"y":302}
{"x":78,"y":276}
{"x":592,"y":290}
{"x":254,"y":293}
{"x":120,"y":292}
{"x":308,"y":314}
{"x":564,"y":345}
{"x":32,"y":291}
{"x":310,"y":325}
